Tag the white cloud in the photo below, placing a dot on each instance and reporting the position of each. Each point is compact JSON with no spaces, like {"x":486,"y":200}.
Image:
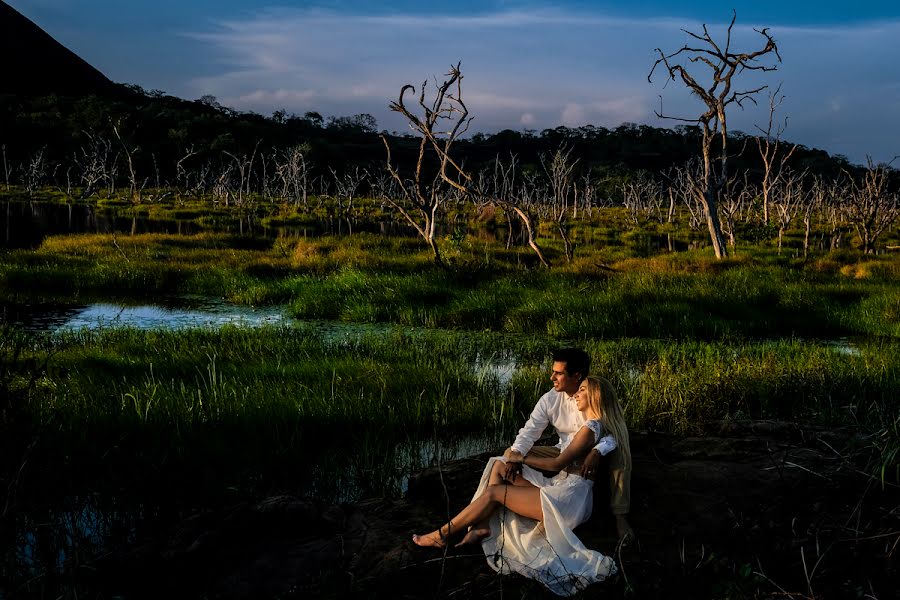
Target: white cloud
{"x":544,"y":68}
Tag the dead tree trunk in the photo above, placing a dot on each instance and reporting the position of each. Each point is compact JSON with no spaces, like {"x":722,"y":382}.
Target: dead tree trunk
{"x":724,"y":64}
{"x":768,"y":146}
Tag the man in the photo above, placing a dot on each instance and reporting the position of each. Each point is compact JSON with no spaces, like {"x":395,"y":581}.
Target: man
{"x":557,"y":407}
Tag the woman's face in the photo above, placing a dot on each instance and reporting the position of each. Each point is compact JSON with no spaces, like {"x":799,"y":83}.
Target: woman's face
{"x":581,"y":397}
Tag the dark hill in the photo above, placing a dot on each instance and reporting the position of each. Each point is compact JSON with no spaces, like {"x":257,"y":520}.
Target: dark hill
{"x":36,"y":64}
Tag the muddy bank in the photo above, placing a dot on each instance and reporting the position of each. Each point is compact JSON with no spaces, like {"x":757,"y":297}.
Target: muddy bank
{"x":757,"y":510}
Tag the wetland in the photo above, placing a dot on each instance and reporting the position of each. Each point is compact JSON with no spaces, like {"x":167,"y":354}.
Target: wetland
{"x":157,"y":370}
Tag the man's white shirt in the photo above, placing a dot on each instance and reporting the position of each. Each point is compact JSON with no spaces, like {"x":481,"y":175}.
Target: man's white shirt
{"x":557,"y":409}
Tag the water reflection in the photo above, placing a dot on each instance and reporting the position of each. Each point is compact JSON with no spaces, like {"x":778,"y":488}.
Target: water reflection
{"x":26,"y":224}
{"x":173,"y":312}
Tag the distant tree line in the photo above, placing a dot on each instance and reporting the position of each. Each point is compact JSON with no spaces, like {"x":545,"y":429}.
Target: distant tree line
{"x":156,"y":131}
{"x":145,"y":145}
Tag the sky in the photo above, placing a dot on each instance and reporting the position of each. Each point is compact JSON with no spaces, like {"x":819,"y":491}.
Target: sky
{"x":526,"y":65}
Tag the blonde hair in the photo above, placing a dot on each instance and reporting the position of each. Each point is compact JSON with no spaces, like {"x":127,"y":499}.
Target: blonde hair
{"x":603,"y":401}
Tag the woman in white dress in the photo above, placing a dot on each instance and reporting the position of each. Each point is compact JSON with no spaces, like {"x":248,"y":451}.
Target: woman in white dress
{"x":525,"y":525}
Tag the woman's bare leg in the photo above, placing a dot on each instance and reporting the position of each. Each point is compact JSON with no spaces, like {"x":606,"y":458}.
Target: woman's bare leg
{"x":525,"y":501}
{"x":480,"y":530}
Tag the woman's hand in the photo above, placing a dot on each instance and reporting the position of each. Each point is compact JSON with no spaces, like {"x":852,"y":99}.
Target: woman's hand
{"x":591,"y":462}
{"x":514,"y":461}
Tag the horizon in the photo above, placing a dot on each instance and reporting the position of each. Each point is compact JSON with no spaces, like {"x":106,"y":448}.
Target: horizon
{"x":343,"y":58}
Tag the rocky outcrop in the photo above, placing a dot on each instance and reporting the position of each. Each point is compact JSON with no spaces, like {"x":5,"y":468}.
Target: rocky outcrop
{"x":738,"y":515}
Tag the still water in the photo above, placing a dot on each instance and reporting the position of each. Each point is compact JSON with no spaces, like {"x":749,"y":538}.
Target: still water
{"x":171,"y":312}
{"x":26,"y":224}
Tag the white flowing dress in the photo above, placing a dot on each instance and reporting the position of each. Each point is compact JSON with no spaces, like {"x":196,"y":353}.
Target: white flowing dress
{"x":548,"y":550}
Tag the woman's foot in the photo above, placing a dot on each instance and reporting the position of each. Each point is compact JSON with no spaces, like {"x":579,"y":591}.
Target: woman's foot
{"x":474,"y":537}
{"x":430,"y":540}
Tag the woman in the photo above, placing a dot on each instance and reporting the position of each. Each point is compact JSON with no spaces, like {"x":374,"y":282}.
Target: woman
{"x":533,"y":535}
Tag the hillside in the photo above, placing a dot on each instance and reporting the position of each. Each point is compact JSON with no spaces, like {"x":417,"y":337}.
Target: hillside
{"x":36,"y":64}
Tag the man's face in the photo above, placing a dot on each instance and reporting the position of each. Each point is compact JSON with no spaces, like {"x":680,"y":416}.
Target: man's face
{"x":562,"y":381}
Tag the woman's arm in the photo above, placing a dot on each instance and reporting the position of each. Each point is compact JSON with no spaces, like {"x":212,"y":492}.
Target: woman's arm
{"x":579,"y":446}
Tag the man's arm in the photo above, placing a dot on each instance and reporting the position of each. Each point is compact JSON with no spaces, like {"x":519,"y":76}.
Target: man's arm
{"x":534,"y":426}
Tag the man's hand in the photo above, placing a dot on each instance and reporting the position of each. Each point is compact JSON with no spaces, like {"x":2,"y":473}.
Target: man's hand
{"x":514,"y":462}
{"x":591,"y":462}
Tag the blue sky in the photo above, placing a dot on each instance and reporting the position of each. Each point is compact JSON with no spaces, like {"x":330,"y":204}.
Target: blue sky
{"x":526,"y":64}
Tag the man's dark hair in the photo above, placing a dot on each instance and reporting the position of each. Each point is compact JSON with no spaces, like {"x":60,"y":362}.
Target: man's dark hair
{"x":576,"y":359}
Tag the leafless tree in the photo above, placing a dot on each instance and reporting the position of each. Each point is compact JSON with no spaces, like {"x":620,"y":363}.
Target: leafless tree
{"x":135,"y":187}
{"x":585,"y":191}
{"x":515,"y":195}
{"x":223,"y":189}
{"x":871,"y":208}
{"x":36,"y":171}
{"x":291,"y":169}
{"x":94,"y":161}
{"x":789,"y":199}
{"x":559,"y":168}
{"x":347,"y":185}
{"x":182,"y":177}
{"x":242,"y":166}
{"x":5,"y":168}
{"x":723,"y":64}
{"x":732,"y":205}
{"x":643,"y":198}
{"x":769,"y":146}
{"x":439,"y":125}
{"x":816,"y":199}
{"x":681,"y":188}
{"x":834,"y":212}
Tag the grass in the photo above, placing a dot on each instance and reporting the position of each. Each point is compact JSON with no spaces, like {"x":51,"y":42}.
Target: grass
{"x":688,"y":339}
{"x":192,"y":397}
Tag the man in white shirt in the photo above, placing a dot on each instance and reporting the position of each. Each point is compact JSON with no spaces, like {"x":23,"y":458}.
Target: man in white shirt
{"x":557,"y":407}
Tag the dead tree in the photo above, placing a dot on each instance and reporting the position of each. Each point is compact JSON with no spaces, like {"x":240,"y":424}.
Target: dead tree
{"x":717,"y":96}
{"x":643,"y":199}
{"x":439,"y":126}
{"x":5,"y":168}
{"x":816,"y":200}
{"x":35,"y":171}
{"x":681,"y":187}
{"x":559,"y":168}
{"x":181,"y":173}
{"x":243,"y":166}
{"x":871,"y":208}
{"x":448,"y":107}
{"x":514,"y":197}
{"x":93,"y":161}
{"x":732,"y":205}
{"x":789,"y":200}
{"x":834,"y":212}
{"x":346,"y":186}
{"x":291,"y":169}
{"x":135,"y":188}
{"x":769,"y":145}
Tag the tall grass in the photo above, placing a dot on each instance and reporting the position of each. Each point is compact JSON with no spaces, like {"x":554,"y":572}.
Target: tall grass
{"x":298,"y":379}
